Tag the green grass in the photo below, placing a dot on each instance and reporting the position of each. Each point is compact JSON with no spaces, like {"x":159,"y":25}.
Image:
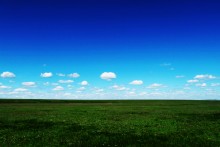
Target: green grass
{"x":109,"y":123}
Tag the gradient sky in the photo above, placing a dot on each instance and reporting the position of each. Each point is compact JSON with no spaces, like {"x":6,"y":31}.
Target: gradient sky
{"x":121,"y":49}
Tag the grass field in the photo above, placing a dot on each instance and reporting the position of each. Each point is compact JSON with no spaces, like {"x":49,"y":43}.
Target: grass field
{"x":109,"y":123}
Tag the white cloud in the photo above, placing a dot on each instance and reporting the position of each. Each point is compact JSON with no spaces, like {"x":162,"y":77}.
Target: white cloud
{"x":201,"y":85}
{"x":46,"y":83}
{"x":119,"y":88}
{"x":70,"y":86}
{"x":155,"y":85}
{"x":4,"y":87}
{"x":180,"y":76}
{"x":29,"y":84}
{"x":99,"y":90}
{"x":20,"y":90}
{"x":168,"y":66}
{"x":143,"y":93}
{"x":192,"y":81}
{"x":67,"y":94}
{"x":74,"y":75}
{"x":204,"y":77}
{"x":46,"y":75}
{"x":54,"y":84}
{"x":131,"y":93}
{"x":61,"y":75}
{"x":136,"y":82}
{"x":8,"y":74}
{"x":115,"y":86}
{"x":81,"y":88}
{"x":108,"y":76}
{"x":215,"y":84}
{"x":58,"y":88}
{"x":65,"y":81}
{"x":186,"y":88}
{"x":84,"y":83}
{"x":165,"y":64}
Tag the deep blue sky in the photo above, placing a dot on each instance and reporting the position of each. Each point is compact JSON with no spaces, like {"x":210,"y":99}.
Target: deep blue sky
{"x":152,"y":41}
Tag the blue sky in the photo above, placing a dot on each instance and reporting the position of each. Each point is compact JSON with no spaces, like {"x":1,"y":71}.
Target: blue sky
{"x":110,"y":49}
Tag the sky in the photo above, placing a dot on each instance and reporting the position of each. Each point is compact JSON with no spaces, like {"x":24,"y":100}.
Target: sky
{"x":110,"y":49}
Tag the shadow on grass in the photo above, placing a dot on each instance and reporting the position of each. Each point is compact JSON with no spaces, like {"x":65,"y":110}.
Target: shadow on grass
{"x":74,"y":134}
{"x":22,"y":125}
{"x":201,"y":117}
{"x":77,"y":135}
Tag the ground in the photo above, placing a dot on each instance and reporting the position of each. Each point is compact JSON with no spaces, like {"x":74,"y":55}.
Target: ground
{"x":109,"y":123}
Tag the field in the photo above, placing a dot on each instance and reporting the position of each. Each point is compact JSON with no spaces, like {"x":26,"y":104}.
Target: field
{"x":109,"y":123}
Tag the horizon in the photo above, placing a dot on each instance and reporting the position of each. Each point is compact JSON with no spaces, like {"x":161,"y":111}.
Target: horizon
{"x":110,"y":50}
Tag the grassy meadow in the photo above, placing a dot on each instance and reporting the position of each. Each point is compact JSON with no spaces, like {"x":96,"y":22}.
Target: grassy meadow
{"x":109,"y":123}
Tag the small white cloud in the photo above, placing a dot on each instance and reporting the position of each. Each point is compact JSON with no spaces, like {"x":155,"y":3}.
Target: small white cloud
{"x":131,"y":93}
{"x":192,"y":81}
{"x":74,"y":75}
{"x":186,"y":88}
{"x":180,"y":76}
{"x":168,"y":66}
{"x":46,"y":83}
{"x":4,"y":87}
{"x":61,"y":75}
{"x":136,"y":82}
{"x":65,"y":81}
{"x":84,"y":83}
{"x":46,"y":75}
{"x":143,"y":93}
{"x":215,"y":84}
{"x":58,"y":88}
{"x":70,"y":86}
{"x":108,"y":76}
{"x":156,"y":94}
{"x":204,"y":77}
{"x":29,"y":84}
{"x":119,"y":88}
{"x":115,"y":86}
{"x":8,"y":74}
{"x":20,"y":90}
{"x":81,"y":88}
{"x":99,"y":90}
{"x":201,"y":85}
{"x":165,"y":64}
{"x":155,"y":85}
{"x":67,"y":94}
{"x":54,"y":84}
